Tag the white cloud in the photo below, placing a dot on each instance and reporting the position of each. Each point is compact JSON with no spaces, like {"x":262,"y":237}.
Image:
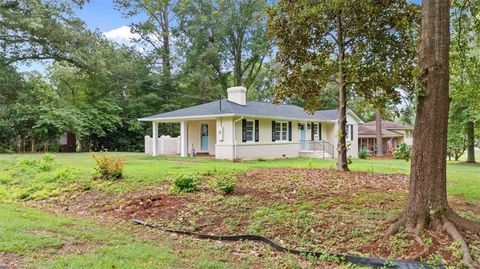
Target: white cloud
{"x":121,"y":35}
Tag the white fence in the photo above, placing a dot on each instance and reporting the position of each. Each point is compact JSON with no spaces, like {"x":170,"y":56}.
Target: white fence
{"x":166,"y":145}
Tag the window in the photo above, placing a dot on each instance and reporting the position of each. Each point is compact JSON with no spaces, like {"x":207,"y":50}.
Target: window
{"x":249,"y":130}
{"x":315,"y":131}
{"x":281,"y":131}
{"x":349,"y":130}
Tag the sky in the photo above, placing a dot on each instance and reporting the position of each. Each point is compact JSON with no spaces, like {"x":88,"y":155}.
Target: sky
{"x":101,"y":15}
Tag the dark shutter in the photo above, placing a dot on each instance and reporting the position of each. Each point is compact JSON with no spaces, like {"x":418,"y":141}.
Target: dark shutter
{"x":351,"y":132}
{"x":257,"y":133}
{"x":289,"y":131}
{"x":273,"y":130}
{"x":319,"y":131}
{"x":313,"y":131}
{"x":244,"y":130}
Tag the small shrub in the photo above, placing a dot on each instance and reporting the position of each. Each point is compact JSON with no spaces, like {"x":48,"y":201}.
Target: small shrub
{"x":403,"y":152}
{"x":185,"y":182}
{"x":363,"y":154}
{"x":46,"y":163}
{"x":109,"y":167}
{"x":226,"y":184}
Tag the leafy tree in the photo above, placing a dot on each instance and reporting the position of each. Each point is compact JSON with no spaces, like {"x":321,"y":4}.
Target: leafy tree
{"x":427,"y":205}
{"x":155,"y":32}
{"x":366,"y":47}
{"x":465,"y":71}
{"x":227,"y":37}
{"x":39,"y":30}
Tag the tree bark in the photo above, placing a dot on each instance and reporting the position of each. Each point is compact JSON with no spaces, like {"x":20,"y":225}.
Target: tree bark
{"x":378,"y":121}
{"x":342,"y":164}
{"x":166,"y":63}
{"x":471,"y":142}
{"x":428,"y":190}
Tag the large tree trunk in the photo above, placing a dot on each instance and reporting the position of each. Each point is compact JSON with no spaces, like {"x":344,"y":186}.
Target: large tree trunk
{"x":378,"y":121}
{"x":470,"y":142}
{"x":428,"y":189}
{"x":427,"y":205}
{"x":342,"y":164}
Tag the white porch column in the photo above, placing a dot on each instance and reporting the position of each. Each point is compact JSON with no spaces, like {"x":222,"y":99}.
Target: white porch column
{"x":183,"y":139}
{"x":154,"y":138}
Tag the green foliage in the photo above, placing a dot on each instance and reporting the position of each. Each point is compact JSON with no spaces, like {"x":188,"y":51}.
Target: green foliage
{"x":403,"y":152}
{"x":226,"y":184}
{"x":109,"y":167}
{"x":363,"y":153}
{"x":185,"y":182}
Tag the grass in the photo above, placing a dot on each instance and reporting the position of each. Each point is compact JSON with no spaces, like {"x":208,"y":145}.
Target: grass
{"x":45,"y":240}
{"x":74,"y":171}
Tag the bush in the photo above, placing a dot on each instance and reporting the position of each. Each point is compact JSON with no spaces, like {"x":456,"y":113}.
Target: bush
{"x":226,"y":184}
{"x":109,"y":167}
{"x":403,"y":152}
{"x":363,"y":154}
{"x":45,"y":164}
{"x":185,"y":183}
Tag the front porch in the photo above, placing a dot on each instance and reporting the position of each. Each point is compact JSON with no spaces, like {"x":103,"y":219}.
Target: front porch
{"x":197,"y":137}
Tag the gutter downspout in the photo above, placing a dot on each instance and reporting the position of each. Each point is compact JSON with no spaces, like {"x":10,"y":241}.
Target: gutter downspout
{"x":235,"y":139}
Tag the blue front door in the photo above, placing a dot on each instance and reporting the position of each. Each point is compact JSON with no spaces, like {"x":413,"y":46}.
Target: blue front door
{"x":204,"y":137}
{"x":303,"y":136}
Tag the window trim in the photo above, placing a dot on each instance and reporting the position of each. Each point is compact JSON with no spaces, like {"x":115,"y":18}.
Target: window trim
{"x":280,"y":138}
{"x":253,"y":131}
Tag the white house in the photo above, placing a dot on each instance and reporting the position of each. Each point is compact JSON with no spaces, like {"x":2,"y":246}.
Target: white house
{"x":233,"y":128}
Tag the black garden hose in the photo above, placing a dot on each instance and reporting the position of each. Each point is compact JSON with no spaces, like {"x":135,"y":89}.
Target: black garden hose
{"x":357,"y":260}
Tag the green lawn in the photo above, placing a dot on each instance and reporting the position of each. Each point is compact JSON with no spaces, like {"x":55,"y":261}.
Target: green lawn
{"x":45,"y":240}
{"x":75,"y":170}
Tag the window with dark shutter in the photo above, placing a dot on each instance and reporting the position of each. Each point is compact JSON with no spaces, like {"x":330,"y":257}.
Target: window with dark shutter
{"x":351,"y":132}
{"x":257,"y":132}
{"x":320,"y":131}
{"x":273,"y":131}
{"x":289,"y":131}
{"x":313,"y":131}
{"x":244,"y":130}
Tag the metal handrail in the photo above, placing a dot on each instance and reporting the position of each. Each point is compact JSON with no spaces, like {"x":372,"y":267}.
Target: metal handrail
{"x":318,"y":145}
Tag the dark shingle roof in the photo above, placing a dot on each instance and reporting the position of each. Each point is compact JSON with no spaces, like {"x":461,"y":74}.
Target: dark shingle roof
{"x":251,"y":108}
{"x":387,"y":124}
{"x":365,"y":130}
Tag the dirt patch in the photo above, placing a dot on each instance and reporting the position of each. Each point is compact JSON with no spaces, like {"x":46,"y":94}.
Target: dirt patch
{"x":158,"y":206}
{"x":10,"y":261}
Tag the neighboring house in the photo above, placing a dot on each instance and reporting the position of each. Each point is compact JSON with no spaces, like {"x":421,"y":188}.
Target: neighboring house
{"x":236,"y":129}
{"x":68,"y":142}
{"x":393,"y":134}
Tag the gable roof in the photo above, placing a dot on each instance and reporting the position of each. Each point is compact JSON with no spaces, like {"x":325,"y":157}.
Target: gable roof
{"x":259,"y":109}
{"x":387,"y":124}
{"x":368,"y":130}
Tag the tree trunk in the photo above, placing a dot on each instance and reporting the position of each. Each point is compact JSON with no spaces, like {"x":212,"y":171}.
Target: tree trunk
{"x":427,"y":205}
{"x":32,"y":141}
{"x":378,"y":120}
{"x":166,"y":63}
{"x":342,"y":164}
{"x":471,"y":142}
{"x":427,"y":198}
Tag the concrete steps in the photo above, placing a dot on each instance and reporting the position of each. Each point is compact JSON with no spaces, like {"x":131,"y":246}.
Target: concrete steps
{"x":319,"y":154}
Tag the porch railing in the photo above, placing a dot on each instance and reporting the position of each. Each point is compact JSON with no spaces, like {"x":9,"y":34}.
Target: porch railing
{"x":321,"y":146}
